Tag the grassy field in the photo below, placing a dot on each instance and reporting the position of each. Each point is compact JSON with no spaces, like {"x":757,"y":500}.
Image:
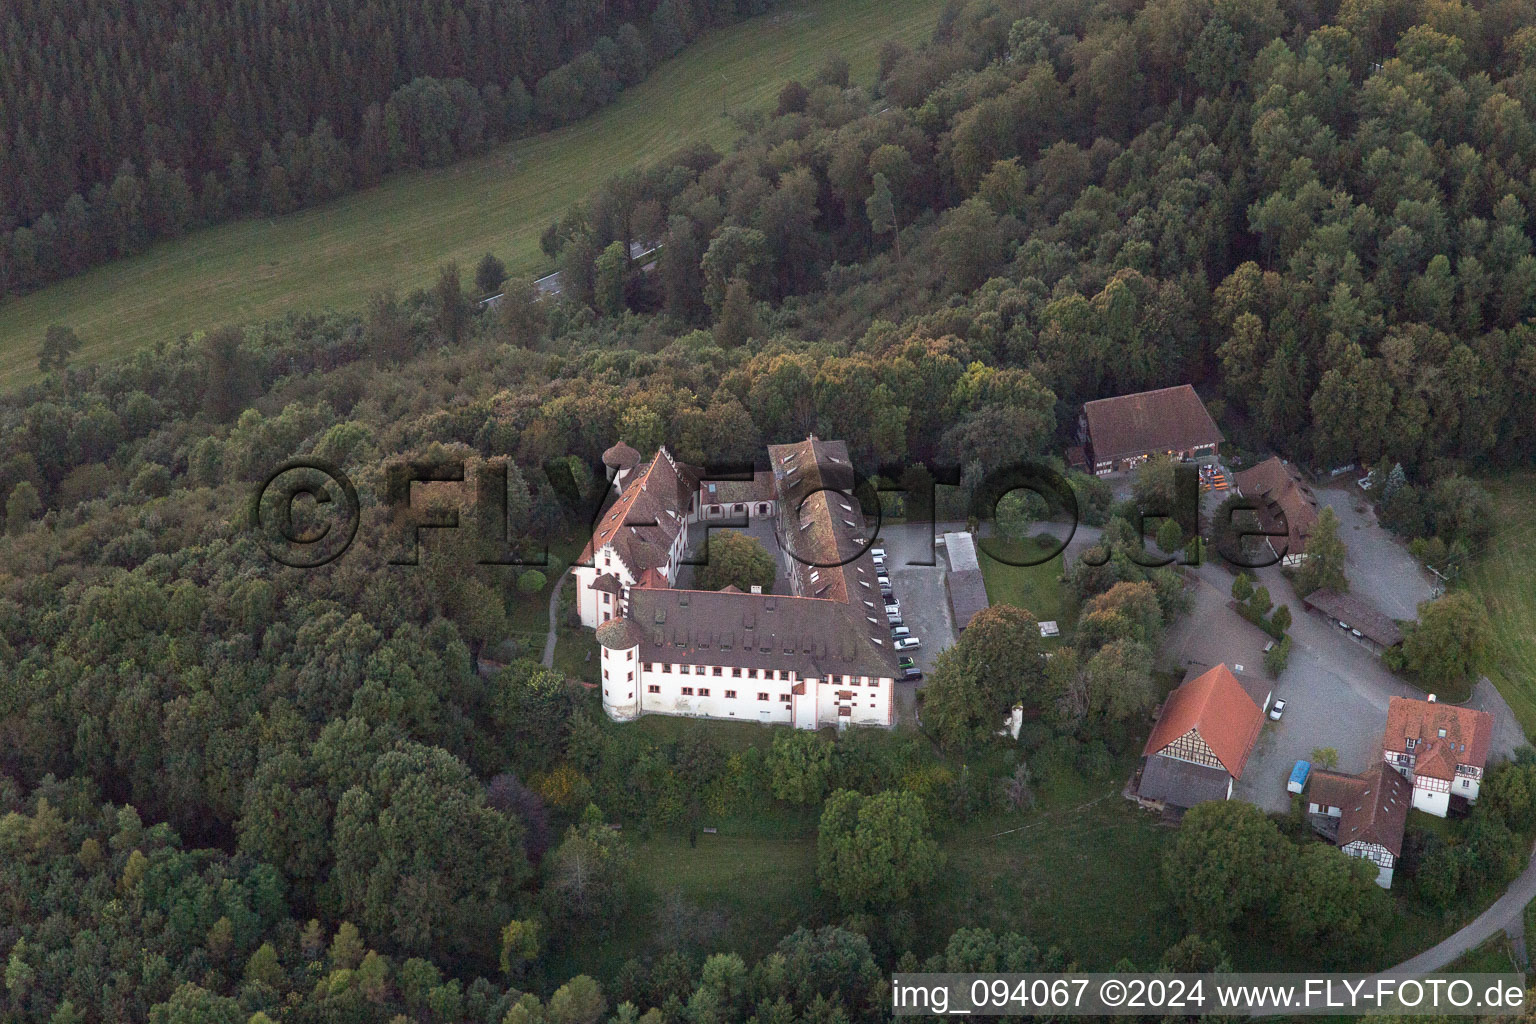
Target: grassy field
{"x":1033,"y":587}
{"x":1505,"y":579}
{"x":399,"y":232}
{"x":730,"y":893}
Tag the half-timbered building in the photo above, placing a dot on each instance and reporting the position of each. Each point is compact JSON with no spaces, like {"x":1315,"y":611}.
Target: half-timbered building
{"x":1363,"y":815}
{"x":1202,"y":739}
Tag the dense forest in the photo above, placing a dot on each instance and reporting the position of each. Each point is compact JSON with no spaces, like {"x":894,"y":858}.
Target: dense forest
{"x":229,"y":788}
{"x":123,"y":124}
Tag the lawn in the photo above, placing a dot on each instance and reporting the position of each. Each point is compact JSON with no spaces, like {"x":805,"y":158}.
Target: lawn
{"x":1033,"y":587}
{"x":1084,"y":875}
{"x":1505,"y":579}
{"x":732,"y":892}
{"x":399,"y":232}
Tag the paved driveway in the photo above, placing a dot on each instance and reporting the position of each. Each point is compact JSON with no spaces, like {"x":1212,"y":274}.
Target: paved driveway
{"x":1379,"y":568}
{"x":1336,"y":690}
{"x":924,"y":599}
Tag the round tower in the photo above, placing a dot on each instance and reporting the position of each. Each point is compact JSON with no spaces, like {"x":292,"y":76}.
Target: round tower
{"x":621,"y":460}
{"x":619,"y":655}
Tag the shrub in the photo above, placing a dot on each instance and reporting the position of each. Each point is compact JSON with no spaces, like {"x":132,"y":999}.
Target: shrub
{"x":531,"y":582}
{"x":1277,"y":657}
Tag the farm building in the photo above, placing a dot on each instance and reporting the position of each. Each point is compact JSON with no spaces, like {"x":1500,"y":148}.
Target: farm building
{"x":1120,"y":433}
{"x":1202,"y":739}
{"x":1441,"y":749}
{"x":1288,"y":509}
{"x":1363,"y":815}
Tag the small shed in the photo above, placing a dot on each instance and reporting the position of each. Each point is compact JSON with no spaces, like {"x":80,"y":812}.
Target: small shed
{"x":964,"y":582}
{"x":1358,"y":617}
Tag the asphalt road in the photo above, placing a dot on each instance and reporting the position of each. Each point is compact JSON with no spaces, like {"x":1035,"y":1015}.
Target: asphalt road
{"x":1504,"y":913}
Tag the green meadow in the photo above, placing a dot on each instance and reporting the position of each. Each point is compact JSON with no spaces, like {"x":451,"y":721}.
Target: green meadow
{"x":398,"y":233}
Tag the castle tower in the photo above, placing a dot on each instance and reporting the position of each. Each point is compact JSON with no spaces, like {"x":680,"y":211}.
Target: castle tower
{"x":621,"y":460}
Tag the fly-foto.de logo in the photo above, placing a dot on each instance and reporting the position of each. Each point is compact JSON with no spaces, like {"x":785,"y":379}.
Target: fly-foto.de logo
{"x":306,"y":513}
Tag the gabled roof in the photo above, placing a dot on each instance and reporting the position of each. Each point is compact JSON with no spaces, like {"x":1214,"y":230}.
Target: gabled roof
{"x":821,"y":521}
{"x":1273,"y":481}
{"x":647,"y":517}
{"x":812,"y":636}
{"x":1358,"y":613}
{"x":1374,"y":804}
{"x":1468,"y":735}
{"x":1168,"y":419}
{"x":1215,"y":705}
{"x":728,"y":492}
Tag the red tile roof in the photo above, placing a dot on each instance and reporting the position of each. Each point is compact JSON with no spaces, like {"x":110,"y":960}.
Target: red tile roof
{"x":648,"y":515}
{"x":1467,"y":735}
{"x":1217,"y":707}
{"x":1274,"y":481}
{"x":1168,"y":419}
{"x":1374,"y":804}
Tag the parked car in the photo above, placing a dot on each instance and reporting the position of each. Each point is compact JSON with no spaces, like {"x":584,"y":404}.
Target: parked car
{"x":912,"y":673}
{"x":878,"y":551}
{"x":907,"y":643}
{"x":900,"y":631}
{"x":905,"y":661}
{"x":1276,"y":709}
{"x":1298,"y":780}
{"x":894,"y":622}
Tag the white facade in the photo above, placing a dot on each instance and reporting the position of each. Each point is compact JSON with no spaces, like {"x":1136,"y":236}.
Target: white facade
{"x":632,"y":688}
{"x":1376,"y":854}
{"x":1431,"y":795}
{"x":817,"y":638}
{"x":1373,"y":852}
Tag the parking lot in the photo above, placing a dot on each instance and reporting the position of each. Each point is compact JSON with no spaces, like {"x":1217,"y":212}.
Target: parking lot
{"x":917,"y":586}
{"x":1379,"y":567}
{"x":920,"y":590}
{"x":1336,"y":690}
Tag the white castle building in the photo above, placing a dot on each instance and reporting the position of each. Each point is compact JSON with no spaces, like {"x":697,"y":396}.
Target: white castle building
{"x":819,"y":655}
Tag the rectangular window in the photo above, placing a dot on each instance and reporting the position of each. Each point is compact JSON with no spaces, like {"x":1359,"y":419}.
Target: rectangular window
{"x":751,"y":673}
{"x":730,"y":694}
{"x":735,"y":673}
{"x":631,"y":678}
{"x":653,"y":688}
{"x":784,"y":697}
{"x":715,"y":670}
{"x":606,"y":598}
{"x":703,"y":691}
{"x":687,"y":691}
{"x":666,"y":669}
{"x":762,"y":696}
